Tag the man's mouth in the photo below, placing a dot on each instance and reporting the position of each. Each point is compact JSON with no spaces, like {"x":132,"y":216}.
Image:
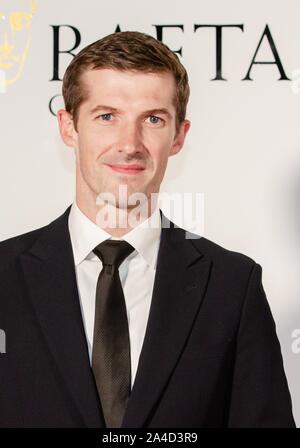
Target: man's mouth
{"x":127,"y":168}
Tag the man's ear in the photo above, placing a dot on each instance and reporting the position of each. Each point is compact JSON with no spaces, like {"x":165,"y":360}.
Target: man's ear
{"x":180,"y":137}
{"x":67,"y":129}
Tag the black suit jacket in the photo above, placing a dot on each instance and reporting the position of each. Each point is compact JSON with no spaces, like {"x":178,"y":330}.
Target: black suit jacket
{"x":210,"y":358}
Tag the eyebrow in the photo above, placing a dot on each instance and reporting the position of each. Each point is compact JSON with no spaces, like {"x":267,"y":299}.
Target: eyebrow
{"x":162,"y":111}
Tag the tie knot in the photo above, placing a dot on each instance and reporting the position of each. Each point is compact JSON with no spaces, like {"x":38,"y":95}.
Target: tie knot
{"x":113,"y":252}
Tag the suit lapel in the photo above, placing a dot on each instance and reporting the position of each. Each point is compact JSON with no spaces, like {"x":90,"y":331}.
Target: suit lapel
{"x":49,"y":274}
{"x":180,"y":283}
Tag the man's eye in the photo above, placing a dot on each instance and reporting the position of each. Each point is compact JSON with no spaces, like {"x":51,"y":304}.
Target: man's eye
{"x":105,"y":117}
{"x":154,"y":119}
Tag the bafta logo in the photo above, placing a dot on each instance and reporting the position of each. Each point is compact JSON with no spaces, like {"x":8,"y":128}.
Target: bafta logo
{"x":15,"y":38}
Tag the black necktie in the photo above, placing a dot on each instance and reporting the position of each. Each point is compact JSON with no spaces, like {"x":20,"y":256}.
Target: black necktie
{"x":111,"y":344}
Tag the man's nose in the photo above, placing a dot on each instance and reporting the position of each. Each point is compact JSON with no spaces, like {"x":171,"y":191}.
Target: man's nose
{"x":130,"y":138}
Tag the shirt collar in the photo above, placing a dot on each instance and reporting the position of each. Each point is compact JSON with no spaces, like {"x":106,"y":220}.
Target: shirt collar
{"x":86,"y":235}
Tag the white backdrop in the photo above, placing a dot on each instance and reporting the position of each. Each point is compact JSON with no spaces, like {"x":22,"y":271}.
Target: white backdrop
{"x":242,"y":151}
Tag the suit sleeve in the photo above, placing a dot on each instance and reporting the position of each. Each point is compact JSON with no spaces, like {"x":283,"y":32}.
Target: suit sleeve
{"x":260,"y":396}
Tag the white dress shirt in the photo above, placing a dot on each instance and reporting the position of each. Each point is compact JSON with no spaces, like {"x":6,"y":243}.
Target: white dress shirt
{"x":136,"y":272}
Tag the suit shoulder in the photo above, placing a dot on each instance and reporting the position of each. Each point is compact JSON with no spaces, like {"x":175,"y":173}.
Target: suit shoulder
{"x":221,"y":254}
{"x":14,"y":246}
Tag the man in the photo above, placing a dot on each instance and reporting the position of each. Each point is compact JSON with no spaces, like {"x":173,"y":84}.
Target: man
{"x":123,"y":325}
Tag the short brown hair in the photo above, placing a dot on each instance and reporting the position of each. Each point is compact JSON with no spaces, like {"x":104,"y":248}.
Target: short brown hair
{"x":127,"y":50}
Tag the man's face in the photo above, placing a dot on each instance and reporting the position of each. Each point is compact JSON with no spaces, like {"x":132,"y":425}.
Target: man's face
{"x":127,"y":120}
{"x":15,"y":24}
